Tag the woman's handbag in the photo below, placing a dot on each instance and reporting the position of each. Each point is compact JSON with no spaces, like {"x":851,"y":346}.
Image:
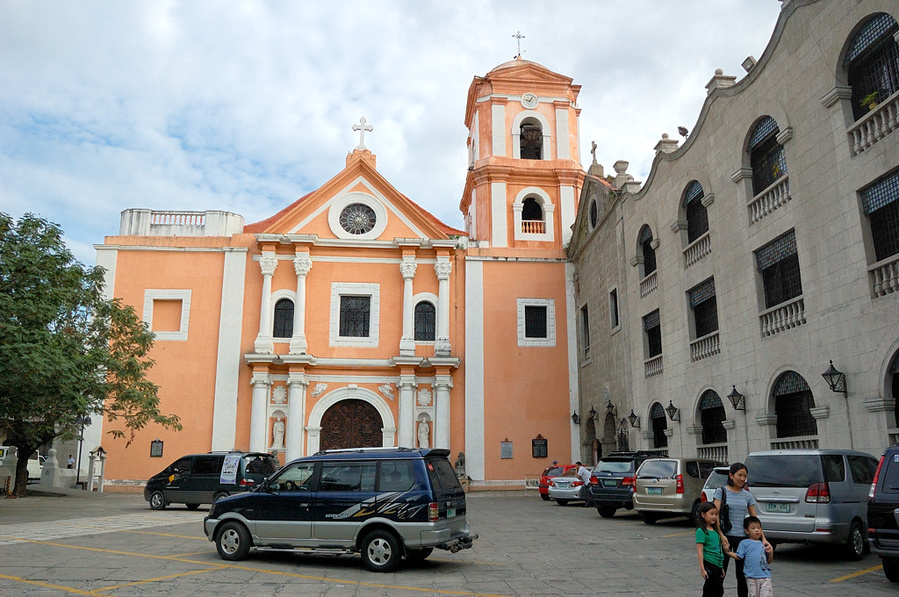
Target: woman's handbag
{"x":724,"y":513}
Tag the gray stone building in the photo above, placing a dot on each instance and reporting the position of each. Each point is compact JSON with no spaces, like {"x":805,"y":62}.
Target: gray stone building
{"x":756,"y":255}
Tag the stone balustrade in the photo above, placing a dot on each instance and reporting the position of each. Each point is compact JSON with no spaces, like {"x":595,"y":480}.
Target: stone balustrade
{"x":770,"y":199}
{"x":875,"y":125}
{"x":653,"y":366}
{"x":648,"y":284}
{"x":704,"y":347}
{"x":783,"y":317}
{"x":885,"y":275}
{"x":698,"y":249}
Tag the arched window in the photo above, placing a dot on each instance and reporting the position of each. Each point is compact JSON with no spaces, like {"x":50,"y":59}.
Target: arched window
{"x":649,"y":254}
{"x":531,"y":140}
{"x":283,"y":326}
{"x":425,"y":322}
{"x":766,"y":155}
{"x":659,"y":425}
{"x":697,"y":217}
{"x":712,"y":415}
{"x":872,"y":63}
{"x":532,"y":217}
{"x":793,"y":402}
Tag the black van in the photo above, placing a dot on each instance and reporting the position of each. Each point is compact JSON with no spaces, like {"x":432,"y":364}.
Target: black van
{"x":203,"y":478}
{"x":384,"y":503}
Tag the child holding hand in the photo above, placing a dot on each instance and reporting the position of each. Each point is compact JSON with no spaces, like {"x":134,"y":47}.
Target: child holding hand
{"x":709,"y":540}
{"x":757,"y":557}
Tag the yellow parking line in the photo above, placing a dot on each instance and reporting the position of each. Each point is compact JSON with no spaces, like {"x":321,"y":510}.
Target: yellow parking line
{"x":854,"y":574}
{"x":169,"y":535}
{"x":161,"y":578}
{"x":683,"y":534}
{"x":47,"y":585}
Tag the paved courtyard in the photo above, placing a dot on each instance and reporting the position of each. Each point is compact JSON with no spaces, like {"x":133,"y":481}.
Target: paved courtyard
{"x":114,"y":545}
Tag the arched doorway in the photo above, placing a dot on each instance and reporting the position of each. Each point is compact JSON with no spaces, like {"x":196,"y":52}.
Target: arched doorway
{"x":351,"y":424}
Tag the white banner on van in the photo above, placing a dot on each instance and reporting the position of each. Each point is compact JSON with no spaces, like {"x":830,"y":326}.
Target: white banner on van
{"x":229,"y":469}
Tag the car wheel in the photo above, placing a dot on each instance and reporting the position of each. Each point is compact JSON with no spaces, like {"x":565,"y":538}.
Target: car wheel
{"x":220,"y":495}
{"x":562,"y":502}
{"x":544,"y":497}
{"x":606,"y":511}
{"x":192,"y":506}
{"x":381,"y":551}
{"x":890,"y":568}
{"x":418,"y":555}
{"x":232,"y":541}
{"x":855,"y":545}
{"x":649,"y":517}
{"x":694,"y":514}
{"x":157,"y":500}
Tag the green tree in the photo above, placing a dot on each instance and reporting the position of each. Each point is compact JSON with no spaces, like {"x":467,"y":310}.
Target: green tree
{"x":65,"y":351}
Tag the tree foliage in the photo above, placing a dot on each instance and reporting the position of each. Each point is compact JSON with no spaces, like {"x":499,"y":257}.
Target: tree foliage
{"x":65,"y":351}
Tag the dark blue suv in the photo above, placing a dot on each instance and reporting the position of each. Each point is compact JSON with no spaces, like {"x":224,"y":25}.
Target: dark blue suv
{"x":385,"y":503}
{"x":883,"y":513}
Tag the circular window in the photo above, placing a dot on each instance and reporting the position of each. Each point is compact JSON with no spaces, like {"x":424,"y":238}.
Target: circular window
{"x":357,"y":218}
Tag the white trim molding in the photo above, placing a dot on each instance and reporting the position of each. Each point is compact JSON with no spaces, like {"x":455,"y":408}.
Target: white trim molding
{"x":151,"y":295}
{"x":337,"y":206}
{"x":339,"y":289}
{"x":550,"y":305}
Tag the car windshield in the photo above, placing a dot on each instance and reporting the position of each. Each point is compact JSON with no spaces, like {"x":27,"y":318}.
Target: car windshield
{"x":552,"y":471}
{"x":572,"y":472}
{"x":717,"y":479}
{"x":614,"y":466}
{"x":784,"y":470}
{"x":657,"y":469}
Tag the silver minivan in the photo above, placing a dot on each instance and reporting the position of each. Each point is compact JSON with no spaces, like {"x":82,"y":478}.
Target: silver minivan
{"x":670,"y":487}
{"x":819,"y":496}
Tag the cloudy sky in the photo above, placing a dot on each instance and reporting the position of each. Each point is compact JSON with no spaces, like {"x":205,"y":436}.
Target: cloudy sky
{"x":245,"y":106}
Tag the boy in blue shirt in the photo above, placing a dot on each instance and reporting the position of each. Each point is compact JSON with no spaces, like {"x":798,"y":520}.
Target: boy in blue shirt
{"x":756,"y":559}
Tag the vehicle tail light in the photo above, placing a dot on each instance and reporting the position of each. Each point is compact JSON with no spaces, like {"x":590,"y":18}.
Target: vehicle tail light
{"x":577,"y":483}
{"x":629,"y":482}
{"x":247,"y":482}
{"x":702,"y":498}
{"x":680,"y":483}
{"x":874,"y":482}
{"x":433,"y":512}
{"x":818,"y":493}
{"x":594,"y":480}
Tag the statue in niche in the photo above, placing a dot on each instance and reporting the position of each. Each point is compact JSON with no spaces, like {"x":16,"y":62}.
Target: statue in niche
{"x":460,"y":465}
{"x":278,"y":434}
{"x":424,"y":432}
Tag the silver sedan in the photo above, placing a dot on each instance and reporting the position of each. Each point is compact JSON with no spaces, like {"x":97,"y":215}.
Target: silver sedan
{"x":566,"y":488}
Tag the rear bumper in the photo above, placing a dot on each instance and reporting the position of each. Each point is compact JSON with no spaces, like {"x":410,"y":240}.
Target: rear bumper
{"x":442,"y":539}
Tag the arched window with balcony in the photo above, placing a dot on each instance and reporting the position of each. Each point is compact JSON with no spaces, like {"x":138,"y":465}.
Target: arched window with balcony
{"x":647,"y":251}
{"x":793,"y":402}
{"x":425,"y":322}
{"x":766,"y":155}
{"x":711,"y":416}
{"x":283,"y":320}
{"x":659,"y":425}
{"x":894,"y":387}
{"x":532,"y":219}
{"x":872,"y":63}
{"x":695,"y":211}
{"x":531,"y":139}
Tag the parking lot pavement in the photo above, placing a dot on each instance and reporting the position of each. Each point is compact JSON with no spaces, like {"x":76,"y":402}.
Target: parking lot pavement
{"x":114,"y":545}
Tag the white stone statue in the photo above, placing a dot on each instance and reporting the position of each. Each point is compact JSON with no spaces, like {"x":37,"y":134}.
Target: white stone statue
{"x":423,"y":432}
{"x":278,"y":434}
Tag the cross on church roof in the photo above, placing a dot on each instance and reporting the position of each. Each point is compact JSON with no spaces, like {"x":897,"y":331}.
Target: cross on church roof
{"x":519,"y":37}
{"x":362,"y":127}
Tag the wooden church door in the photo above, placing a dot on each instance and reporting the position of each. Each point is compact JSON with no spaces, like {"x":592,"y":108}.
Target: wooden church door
{"x":351,"y":424}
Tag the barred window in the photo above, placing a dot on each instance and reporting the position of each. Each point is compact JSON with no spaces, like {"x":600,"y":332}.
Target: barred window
{"x":778,"y":264}
{"x":712,"y":415}
{"x":653,"y":332}
{"x":534,"y":321}
{"x":649,"y":254}
{"x":425,"y":322}
{"x":872,"y":62}
{"x":355,"y":316}
{"x":697,"y":216}
{"x":766,"y":155}
{"x":880,"y":203}
{"x":793,"y":402}
{"x":585,"y":331}
{"x":705,"y":308}
{"x":659,"y":425}
{"x":531,"y":140}
{"x":283,"y":324}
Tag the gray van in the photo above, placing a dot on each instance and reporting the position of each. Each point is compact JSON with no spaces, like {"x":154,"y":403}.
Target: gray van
{"x":817,"y":496}
{"x":203,"y":478}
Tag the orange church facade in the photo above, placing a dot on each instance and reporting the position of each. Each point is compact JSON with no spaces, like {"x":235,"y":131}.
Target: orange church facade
{"x":353,"y":317}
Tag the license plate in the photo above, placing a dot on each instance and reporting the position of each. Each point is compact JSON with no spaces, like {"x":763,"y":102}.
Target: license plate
{"x":654,"y":490}
{"x":609,"y":483}
{"x":776,"y":507}
{"x":450,"y":512}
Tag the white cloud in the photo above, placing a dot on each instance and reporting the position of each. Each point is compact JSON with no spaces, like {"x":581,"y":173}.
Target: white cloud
{"x":246,"y":106}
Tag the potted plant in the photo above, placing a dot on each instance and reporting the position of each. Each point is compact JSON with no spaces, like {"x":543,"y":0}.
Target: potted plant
{"x":869,"y":100}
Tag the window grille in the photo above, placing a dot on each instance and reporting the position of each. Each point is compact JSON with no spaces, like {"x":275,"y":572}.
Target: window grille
{"x":712,"y":415}
{"x":659,"y":425}
{"x":872,"y":62}
{"x":704,"y":304}
{"x":531,"y":142}
{"x":425,"y":322}
{"x":778,"y":263}
{"x":649,"y":254}
{"x":794,"y":417}
{"x":880,"y":202}
{"x":535,"y":321}
{"x":355,"y":316}
{"x":653,"y":334}
{"x":697,"y":217}
{"x":766,"y":155}
{"x":283,"y":320}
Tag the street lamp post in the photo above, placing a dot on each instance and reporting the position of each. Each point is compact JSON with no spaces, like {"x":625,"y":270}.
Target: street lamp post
{"x":81,"y":420}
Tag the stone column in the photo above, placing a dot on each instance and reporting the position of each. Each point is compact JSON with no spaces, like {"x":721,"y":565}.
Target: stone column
{"x":262,"y":383}
{"x":264,"y":342}
{"x":406,"y":425}
{"x":442,"y":386}
{"x":443,"y":267}
{"x":296,"y":415}
{"x":302,"y":263}
{"x":407,"y":342}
